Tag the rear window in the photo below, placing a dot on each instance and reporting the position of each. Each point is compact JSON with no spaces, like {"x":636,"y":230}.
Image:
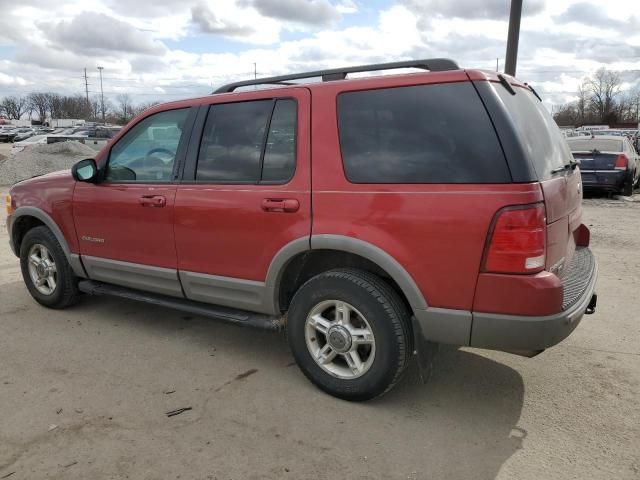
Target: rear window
{"x":600,"y":144}
{"x":538,"y":133}
{"x":420,"y":134}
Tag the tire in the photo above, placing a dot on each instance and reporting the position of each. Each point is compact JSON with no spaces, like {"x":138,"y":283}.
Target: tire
{"x":64,"y":292}
{"x":627,"y":190}
{"x":373,"y":307}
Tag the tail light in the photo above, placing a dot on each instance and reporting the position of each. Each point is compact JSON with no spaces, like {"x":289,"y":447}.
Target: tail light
{"x":517,"y":240}
{"x":622,"y":162}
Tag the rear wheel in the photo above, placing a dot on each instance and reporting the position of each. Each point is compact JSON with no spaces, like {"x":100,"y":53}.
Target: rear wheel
{"x":46,"y":271}
{"x":627,"y":190}
{"x":349,"y":333}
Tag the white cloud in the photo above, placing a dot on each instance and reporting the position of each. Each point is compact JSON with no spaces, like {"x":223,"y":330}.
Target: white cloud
{"x":134,"y":41}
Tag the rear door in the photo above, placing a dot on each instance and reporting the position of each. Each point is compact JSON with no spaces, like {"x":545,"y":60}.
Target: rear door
{"x":548,"y":153}
{"x":245,"y":195}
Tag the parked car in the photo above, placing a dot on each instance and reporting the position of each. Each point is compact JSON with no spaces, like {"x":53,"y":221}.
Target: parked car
{"x":607,"y":162}
{"x":8,"y":134}
{"x":345,"y":212}
{"x":23,"y":134}
{"x":29,"y":142}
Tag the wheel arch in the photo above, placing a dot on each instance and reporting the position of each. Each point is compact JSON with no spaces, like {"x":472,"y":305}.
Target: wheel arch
{"x":26,"y":218}
{"x":372,"y":258}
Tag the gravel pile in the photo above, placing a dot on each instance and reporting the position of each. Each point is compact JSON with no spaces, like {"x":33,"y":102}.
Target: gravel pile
{"x":41,"y":159}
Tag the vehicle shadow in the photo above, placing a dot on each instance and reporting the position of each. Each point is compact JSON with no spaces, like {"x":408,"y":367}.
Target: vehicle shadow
{"x":461,"y":424}
{"x":472,"y":404}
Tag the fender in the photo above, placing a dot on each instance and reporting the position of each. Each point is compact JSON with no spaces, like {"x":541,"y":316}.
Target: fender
{"x":72,"y":258}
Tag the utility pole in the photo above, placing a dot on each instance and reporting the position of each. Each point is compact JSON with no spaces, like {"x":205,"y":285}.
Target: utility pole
{"x":513,"y":37}
{"x":497,"y":65}
{"x":255,"y":70}
{"x":86,"y":88}
{"x":102,"y":95}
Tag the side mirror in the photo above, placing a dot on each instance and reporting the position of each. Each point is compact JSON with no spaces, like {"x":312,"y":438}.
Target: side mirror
{"x":85,"y":171}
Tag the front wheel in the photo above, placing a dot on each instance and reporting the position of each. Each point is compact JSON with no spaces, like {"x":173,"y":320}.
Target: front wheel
{"x":46,"y":271}
{"x":349,"y":332}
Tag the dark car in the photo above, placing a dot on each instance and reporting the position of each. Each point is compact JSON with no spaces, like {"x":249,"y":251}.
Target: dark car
{"x":607,"y":162}
{"x":370,"y":218}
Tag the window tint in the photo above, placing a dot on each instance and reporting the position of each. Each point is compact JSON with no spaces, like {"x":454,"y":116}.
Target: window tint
{"x":280,"y":151}
{"x":538,"y":133}
{"x":601,"y":144}
{"x":147,"y":152}
{"x":232,"y":142}
{"x":422,"y":134}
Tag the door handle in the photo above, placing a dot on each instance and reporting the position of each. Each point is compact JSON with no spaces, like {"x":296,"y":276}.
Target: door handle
{"x":153,"y":201}
{"x":288,"y":205}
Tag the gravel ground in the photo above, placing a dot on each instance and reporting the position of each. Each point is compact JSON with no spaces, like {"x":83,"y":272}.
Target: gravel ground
{"x":84,"y":394}
{"x":41,"y":159}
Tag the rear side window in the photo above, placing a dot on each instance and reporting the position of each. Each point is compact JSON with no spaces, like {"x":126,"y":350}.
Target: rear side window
{"x":600,"y":144}
{"x":280,"y":150}
{"x":538,"y":133}
{"x":420,"y":134}
{"x":248,"y":142}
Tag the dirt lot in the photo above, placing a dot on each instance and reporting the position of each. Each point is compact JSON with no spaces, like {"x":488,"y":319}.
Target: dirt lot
{"x":83,"y":395}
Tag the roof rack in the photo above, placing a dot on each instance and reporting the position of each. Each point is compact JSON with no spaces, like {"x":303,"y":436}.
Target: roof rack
{"x":432,"y":64}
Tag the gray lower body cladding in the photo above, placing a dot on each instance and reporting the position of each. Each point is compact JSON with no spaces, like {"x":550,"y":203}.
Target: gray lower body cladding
{"x":516,"y":333}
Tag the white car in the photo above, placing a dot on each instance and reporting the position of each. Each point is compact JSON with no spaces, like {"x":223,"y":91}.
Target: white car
{"x":29,"y":142}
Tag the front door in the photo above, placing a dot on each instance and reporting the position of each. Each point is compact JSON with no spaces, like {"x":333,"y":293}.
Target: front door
{"x":125,"y":222}
{"x":245,"y":195}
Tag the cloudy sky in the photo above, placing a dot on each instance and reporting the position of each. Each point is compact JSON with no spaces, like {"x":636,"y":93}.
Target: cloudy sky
{"x":168,"y":49}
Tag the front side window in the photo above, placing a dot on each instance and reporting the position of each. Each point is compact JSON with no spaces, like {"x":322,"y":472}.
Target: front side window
{"x":248,"y":142}
{"x":147,"y":152}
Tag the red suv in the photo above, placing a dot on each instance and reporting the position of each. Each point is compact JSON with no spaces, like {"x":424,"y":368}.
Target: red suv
{"x":371,"y":218}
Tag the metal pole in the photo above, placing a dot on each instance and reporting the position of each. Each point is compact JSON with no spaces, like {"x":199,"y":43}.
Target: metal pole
{"x":86,"y":88}
{"x":255,"y":70}
{"x":514,"y":36}
{"x":102,"y":95}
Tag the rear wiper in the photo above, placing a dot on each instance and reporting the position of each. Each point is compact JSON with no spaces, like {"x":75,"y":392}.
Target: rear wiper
{"x":533,"y":91}
{"x":569,"y":166}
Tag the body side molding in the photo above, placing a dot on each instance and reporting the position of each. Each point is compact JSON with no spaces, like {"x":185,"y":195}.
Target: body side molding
{"x":143,"y":277}
{"x":231,"y":292}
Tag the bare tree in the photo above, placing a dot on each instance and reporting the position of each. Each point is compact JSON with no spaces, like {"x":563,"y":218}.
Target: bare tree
{"x":603,"y":88}
{"x":125,"y":107}
{"x":14,"y":107}
{"x":40,"y":104}
{"x":144,"y":106}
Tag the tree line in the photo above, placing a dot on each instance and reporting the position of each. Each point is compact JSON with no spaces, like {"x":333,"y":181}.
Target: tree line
{"x":44,"y":105}
{"x":601,"y":100}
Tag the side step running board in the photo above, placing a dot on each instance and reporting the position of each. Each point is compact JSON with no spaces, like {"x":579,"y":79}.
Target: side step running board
{"x":238,"y":317}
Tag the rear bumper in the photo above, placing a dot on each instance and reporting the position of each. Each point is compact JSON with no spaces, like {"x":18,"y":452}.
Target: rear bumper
{"x":523,"y":334}
{"x":535,"y":333}
{"x":613,"y":180}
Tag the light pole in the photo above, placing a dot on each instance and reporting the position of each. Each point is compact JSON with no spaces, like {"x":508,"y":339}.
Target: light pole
{"x":102,"y":95}
{"x":513,"y":37}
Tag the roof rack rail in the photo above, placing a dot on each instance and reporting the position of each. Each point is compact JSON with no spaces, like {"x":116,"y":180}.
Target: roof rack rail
{"x":432,"y":64}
